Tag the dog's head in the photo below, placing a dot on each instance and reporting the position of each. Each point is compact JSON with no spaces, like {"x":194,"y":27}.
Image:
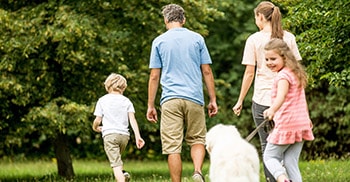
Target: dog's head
{"x":220,"y":133}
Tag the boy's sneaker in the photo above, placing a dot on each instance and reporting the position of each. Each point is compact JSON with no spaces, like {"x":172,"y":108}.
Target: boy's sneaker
{"x":198,"y":177}
{"x":127,"y":176}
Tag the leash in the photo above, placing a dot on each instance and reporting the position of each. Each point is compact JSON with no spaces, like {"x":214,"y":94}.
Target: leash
{"x":253,"y":133}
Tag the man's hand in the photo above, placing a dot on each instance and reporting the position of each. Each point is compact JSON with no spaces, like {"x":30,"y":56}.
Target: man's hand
{"x":152,"y":115}
{"x":212,"y":109}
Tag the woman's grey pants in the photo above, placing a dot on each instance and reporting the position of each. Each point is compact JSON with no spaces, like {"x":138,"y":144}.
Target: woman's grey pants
{"x":257,"y":112}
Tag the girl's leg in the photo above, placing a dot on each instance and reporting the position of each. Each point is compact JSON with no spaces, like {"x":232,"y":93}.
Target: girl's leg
{"x":257,"y":111}
{"x":273,"y":156}
{"x":291,"y":160}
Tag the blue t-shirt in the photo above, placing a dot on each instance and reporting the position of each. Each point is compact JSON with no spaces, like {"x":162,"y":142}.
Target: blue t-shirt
{"x":180,"y":53}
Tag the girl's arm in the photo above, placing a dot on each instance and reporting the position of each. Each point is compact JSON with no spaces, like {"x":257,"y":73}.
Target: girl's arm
{"x":282,"y":90}
{"x":139,"y":141}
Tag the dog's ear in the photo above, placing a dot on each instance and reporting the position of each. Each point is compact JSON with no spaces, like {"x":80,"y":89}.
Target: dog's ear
{"x":208,"y":142}
{"x":210,"y":137}
{"x":234,"y":130}
{"x":208,"y":147}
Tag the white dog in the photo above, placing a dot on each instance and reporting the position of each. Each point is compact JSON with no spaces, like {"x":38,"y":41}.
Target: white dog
{"x":232,"y":158}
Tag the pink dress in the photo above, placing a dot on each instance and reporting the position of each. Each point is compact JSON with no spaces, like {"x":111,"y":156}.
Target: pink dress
{"x":292,"y":121}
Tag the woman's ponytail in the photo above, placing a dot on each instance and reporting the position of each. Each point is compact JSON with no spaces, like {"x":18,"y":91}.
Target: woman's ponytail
{"x":272,"y":14}
{"x":276,"y":23}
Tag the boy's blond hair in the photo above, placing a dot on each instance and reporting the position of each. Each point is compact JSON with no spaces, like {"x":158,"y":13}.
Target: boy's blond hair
{"x":115,"y":82}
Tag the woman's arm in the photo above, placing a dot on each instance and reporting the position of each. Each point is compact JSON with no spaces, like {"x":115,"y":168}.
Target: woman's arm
{"x":247,"y":81}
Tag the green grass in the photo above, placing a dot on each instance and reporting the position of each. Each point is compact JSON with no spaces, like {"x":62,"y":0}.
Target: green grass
{"x":151,"y":171}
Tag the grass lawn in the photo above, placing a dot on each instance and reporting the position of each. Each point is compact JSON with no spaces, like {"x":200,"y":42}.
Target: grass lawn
{"x":152,"y":171}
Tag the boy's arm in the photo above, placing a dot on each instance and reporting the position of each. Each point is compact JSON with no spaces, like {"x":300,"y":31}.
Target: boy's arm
{"x":96,"y":125}
{"x":139,"y":141}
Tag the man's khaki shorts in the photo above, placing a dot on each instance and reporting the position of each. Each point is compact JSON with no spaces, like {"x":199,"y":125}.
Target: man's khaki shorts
{"x":181,"y":116}
{"x":114,"y":145}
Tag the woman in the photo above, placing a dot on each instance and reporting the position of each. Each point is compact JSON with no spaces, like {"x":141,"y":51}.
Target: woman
{"x":268,"y":18}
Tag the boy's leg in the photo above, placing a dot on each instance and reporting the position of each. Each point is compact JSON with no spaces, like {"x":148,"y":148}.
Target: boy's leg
{"x":118,"y":173}
{"x":114,"y":145}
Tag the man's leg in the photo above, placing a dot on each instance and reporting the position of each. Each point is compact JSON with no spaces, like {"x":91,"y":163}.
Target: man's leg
{"x":175,"y":167}
{"x":195,"y":137}
{"x":197,"y":155}
{"x":171,"y":129}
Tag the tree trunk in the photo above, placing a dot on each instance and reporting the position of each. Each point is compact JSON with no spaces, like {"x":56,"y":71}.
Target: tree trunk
{"x":64,"y":160}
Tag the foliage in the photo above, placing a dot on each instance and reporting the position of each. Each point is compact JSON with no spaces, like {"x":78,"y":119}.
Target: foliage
{"x":227,"y":35}
{"x":55,"y":56}
{"x":323,"y":29}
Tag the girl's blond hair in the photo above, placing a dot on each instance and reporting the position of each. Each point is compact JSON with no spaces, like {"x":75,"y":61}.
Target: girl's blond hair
{"x":115,"y":82}
{"x":281,"y":48}
{"x":272,"y":14}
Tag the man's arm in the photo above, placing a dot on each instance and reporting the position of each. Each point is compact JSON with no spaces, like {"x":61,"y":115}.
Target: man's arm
{"x":153,"y":84}
{"x":209,"y":83}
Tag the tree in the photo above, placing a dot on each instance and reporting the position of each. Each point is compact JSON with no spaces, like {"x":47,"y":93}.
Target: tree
{"x":56,"y":55}
{"x":57,"y":120}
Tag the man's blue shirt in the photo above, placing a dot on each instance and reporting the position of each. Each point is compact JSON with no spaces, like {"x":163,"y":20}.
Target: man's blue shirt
{"x":180,"y":53}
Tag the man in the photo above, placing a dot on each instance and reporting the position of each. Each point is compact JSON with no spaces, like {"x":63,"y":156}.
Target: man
{"x":179,"y":60}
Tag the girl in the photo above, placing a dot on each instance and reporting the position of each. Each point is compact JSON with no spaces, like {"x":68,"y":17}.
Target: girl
{"x":268,"y":19}
{"x":289,"y":112}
